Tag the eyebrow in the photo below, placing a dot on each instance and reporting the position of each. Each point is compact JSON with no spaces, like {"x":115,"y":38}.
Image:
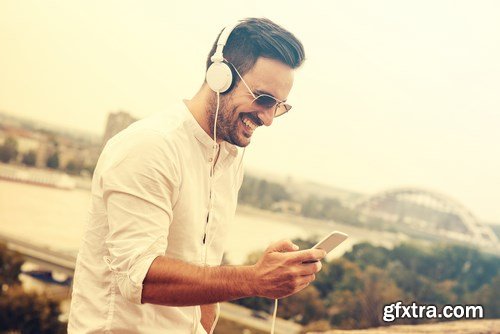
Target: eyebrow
{"x":258,"y":92}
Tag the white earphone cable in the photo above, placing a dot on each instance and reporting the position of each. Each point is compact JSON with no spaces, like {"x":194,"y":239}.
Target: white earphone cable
{"x":212,"y":168}
{"x":209,"y":242}
{"x":274,"y":315}
{"x":217,"y":312}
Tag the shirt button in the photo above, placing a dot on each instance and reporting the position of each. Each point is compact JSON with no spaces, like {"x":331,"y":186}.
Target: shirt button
{"x":210,"y":160}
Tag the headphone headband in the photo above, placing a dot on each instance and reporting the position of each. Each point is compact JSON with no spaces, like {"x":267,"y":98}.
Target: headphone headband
{"x":221,"y":42}
{"x":219,"y":75}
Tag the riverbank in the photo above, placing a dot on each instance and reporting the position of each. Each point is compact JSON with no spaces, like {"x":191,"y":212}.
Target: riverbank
{"x":356,"y":233}
{"x":490,"y":326}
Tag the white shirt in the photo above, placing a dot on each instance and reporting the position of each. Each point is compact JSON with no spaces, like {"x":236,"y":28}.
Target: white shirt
{"x":152,"y":195}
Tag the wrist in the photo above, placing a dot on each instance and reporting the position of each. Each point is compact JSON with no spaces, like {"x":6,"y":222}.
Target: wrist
{"x":250,"y":286}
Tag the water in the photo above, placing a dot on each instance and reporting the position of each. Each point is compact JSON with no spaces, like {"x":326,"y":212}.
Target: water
{"x":56,"y":218}
{"x":43,"y":215}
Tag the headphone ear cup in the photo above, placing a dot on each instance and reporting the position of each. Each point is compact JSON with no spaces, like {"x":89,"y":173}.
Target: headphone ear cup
{"x":219,"y":77}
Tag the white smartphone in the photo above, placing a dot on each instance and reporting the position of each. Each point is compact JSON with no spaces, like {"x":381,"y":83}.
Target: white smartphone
{"x":330,"y":242}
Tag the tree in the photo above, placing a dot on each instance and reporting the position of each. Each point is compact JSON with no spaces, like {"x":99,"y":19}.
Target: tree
{"x":303,"y":307}
{"x":261,"y":193}
{"x":29,"y":158}
{"x":312,"y":207}
{"x":8,"y":151}
{"x":20,"y":311}
{"x":351,"y":291}
{"x":10,"y":267}
{"x":489,"y":297}
{"x":365,"y":254}
{"x":340,"y":274}
{"x":29,"y":313}
{"x":53,"y":161}
{"x":363,"y":308}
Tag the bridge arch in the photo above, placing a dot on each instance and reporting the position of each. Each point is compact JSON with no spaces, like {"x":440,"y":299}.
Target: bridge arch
{"x":394,"y":204}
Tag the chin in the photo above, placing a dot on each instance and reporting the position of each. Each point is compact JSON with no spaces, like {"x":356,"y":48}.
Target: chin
{"x":244,"y":144}
{"x":240,"y":141}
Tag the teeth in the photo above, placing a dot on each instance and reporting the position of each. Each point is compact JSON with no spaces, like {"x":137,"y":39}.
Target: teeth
{"x":249,"y":123}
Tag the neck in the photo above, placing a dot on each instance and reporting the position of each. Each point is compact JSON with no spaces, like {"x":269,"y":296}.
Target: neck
{"x":198,"y":106}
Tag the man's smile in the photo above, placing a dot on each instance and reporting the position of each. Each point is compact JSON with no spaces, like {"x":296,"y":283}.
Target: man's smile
{"x":250,"y":122}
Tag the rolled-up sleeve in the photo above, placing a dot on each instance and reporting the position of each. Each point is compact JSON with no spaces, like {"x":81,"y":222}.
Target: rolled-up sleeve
{"x":138,"y":192}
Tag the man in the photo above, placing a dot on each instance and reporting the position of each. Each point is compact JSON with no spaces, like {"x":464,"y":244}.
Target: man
{"x":164,"y":193}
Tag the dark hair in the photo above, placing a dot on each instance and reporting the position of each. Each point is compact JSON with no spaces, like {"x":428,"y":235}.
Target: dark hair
{"x":259,"y":37}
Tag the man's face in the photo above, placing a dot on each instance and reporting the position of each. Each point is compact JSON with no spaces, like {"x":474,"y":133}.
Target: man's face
{"x":238,"y":116}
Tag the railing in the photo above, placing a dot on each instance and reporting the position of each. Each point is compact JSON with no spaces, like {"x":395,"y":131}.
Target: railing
{"x":42,"y":255}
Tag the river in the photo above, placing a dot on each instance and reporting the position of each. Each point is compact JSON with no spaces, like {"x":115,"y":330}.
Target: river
{"x":56,"y":218}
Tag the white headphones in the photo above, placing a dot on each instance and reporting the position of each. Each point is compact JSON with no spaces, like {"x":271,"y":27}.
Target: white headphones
{"x":219,"y":75}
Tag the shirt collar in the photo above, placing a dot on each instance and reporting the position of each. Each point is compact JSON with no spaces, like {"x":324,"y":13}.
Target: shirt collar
{"x":203,"y":137}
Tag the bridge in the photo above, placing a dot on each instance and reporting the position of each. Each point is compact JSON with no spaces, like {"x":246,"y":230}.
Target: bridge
{"x":428,"y":211}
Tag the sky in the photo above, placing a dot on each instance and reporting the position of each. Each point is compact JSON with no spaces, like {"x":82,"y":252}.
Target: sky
{"x":392,"y":94}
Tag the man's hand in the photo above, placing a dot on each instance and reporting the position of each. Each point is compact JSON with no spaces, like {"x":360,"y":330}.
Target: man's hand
{"x":280,"y":272}
{"x":208,"y":316}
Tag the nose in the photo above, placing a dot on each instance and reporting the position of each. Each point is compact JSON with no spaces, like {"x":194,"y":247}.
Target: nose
{"x":266,"y":116}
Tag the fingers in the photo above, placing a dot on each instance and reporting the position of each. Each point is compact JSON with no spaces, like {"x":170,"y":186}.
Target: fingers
{"x":309,"y":269}
{"x":284,"y":263}
{"x":308,"y":255}
{"x":282,"y":246}
{"x":307,"y":279}
{"x":303,"y":282}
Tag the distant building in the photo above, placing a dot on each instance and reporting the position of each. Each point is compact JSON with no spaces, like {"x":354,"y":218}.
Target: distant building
{"x":27,"y":140}
{"x":117,"y":121}
{"x":72,"y":151}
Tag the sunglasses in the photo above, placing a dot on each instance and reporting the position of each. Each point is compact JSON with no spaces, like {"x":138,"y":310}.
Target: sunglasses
{"x":266,"y":101}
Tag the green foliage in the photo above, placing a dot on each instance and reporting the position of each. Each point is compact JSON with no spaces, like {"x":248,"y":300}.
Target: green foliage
{"x":365,"y":254}
{"x":8,"y":150}
{"x":328,"y":209}
{"x":21,"y":311}
{"x":307,"y":243}
{"x":303,"y":307}
{"x":264,"y":194}
{"x":10,"y":267}
{"x":362,"y":307}
{"x":256,"y":303}
{"x":339,"y":274}
{"x":468,"y":268}
{"x":29,"y":158}
{"x":311,"y":207}
{"x":350,"y":292}
{"x":489,"y":297}
{"x":261,"y":193}
{"x":29,"y":312}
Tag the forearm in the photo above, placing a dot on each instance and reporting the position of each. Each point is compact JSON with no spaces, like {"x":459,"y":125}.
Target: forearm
{"x":176,"y":283}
